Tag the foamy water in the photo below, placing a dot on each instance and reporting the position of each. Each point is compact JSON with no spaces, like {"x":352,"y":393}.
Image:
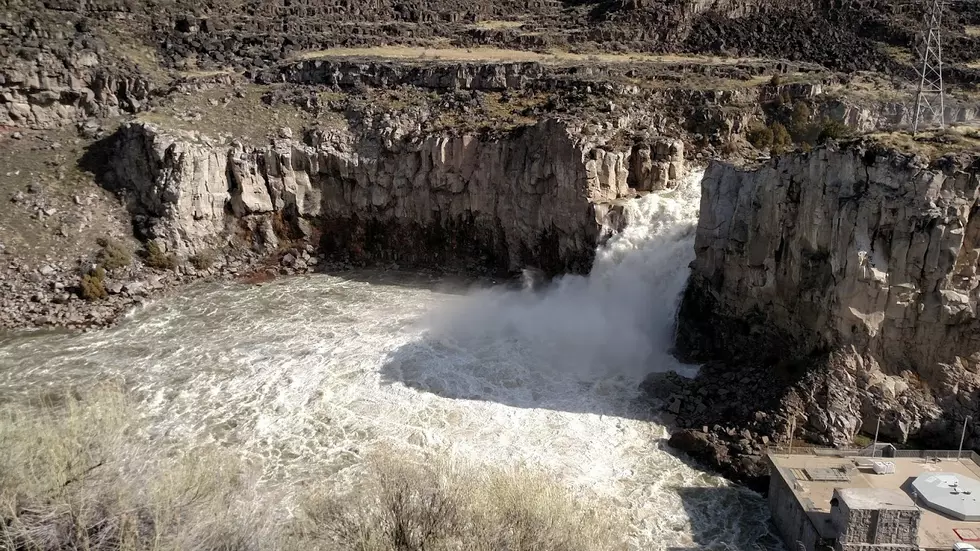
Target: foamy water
{"x":306,"y":375}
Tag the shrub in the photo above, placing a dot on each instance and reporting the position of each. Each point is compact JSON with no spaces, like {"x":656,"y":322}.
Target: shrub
{"x":784,"y":98}
{"x":781,"y":140}
{"x":92,"y":285}
{"x":799,"y":122}
{"x":203,"y":260}
{"x":862,"y":441}
{"x":413,"y":506}
{"x":776,"y":80}
{"x":82,"y":475}
{"x":760,"y":137}
{"x":729,"y":147}
{"x":113,"y":254}
{"x":831,"y":129}
{"x":156,"y":258}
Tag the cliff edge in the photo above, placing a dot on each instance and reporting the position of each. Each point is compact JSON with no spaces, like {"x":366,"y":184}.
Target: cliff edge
{"x":849,"y":277}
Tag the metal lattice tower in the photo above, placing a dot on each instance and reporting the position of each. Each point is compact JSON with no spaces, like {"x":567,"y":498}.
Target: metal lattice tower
{"x":931,"y":96}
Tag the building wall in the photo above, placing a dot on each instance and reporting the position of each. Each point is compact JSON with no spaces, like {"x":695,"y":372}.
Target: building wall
{"x":791,"y":519}
{"x":867,"y":528}
{"x":898,"y":526}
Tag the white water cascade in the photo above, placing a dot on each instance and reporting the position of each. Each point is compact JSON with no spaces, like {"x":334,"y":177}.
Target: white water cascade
{"x":307,"y":374}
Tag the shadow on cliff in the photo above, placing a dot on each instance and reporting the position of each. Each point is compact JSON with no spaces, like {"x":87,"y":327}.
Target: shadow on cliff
{"x":97,"y":160}
{"x":103,"y":161}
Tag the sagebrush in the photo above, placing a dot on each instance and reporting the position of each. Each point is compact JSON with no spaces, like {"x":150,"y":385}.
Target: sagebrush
{"x":83,"y":474}
{"x":156,"y":258}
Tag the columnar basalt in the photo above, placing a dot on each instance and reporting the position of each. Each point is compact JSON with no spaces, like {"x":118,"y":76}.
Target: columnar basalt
{"x":534,"y":197}
{"x":857,"y":268}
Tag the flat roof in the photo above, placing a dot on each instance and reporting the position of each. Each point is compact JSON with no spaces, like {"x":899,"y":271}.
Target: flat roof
{"x":936,"y":530}
{"x":950,"y":493}
{"x":875,"y":498}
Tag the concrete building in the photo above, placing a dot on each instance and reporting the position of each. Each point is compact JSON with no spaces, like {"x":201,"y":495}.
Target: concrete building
{"x":842,"y":501}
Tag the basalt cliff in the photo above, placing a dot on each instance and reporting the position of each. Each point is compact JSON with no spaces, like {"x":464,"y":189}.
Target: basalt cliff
{"x":537,"y":197}
{"x":832,"y":290}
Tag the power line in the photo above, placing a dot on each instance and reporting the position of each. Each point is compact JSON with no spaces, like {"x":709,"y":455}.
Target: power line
{"x":931,"y":95}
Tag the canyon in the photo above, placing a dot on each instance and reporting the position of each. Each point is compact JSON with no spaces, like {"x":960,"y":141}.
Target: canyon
{"x":818,"y":283}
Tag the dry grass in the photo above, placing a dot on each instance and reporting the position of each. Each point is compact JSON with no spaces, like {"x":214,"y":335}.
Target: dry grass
{"x":497,"y":25}
{"x":204,"y":74}
{"x":245,"y":116}
{"x":933,"y":144}
{"x":83,"y":474}
{"x":416,"y":506}
{"x":973,"y":30}
{"x":502,"y":54}
{"x":899,"y":54}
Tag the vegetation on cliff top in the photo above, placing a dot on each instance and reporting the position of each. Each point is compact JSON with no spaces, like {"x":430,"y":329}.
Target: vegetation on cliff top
{"x":84,"y":474}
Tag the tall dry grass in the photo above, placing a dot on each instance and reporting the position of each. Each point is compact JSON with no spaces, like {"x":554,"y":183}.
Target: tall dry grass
{"x":84,"y":475}
{"x":408,"y":505}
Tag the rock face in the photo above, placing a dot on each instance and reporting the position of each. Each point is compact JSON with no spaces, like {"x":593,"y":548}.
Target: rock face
{"x":534,"y":197}
{"x":51,"y":88}
{"x":850,"y":275}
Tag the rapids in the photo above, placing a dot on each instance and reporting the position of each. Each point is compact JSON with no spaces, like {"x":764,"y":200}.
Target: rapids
{"x":306,"y":374}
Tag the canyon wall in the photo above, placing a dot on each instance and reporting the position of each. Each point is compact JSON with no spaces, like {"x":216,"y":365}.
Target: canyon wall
{"x":536,"y":196}
{"x":855,"y":270}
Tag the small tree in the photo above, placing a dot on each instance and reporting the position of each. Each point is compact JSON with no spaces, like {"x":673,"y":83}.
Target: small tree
{"x":760,"y":137}
{"x":156,"y":258}
{"x":831,"y":129}
{"x":113,"y":254}
{"x":781,"y":140}
{"x":92,"y":286}
{"x":799,"y":121}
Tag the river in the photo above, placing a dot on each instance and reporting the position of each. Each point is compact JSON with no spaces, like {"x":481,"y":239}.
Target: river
{"x":306,"y":374}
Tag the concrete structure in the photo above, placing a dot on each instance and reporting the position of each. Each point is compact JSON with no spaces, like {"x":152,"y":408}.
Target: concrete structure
{"x":866,"y":518}
{"x":950,"y":493}
{"x":845,"y":502}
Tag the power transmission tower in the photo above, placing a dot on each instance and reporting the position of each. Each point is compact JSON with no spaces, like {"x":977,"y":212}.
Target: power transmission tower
{"x":931,"y":97}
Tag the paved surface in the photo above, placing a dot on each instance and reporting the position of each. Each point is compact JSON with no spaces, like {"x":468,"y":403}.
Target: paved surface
{"x":936,"y":529}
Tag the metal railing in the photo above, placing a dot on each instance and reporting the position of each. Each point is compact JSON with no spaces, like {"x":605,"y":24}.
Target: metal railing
{"x":884,"y":451}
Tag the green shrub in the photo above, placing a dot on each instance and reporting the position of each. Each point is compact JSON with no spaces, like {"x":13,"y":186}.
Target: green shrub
{"x":784,"y":98}
{"x":862,"y":441}
{"x":776,"y":80}
{"x":92,"y":285}
{"x":760,"y":136}
{"x":831,"y":129}
{"x":203,"y":260}
{"x":799,"y":122}
{"x":113,"y":254}
{"x":156,"y":258}
{"x":781,"y":140}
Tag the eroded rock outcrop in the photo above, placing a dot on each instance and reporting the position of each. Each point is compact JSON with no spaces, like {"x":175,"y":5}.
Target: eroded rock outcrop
{"x":851,"y":276}
{"x":534,"y":197}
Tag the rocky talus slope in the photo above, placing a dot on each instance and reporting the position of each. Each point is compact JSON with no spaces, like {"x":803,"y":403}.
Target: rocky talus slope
{"x":833,"y":288}
{"x":533,"y":197}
